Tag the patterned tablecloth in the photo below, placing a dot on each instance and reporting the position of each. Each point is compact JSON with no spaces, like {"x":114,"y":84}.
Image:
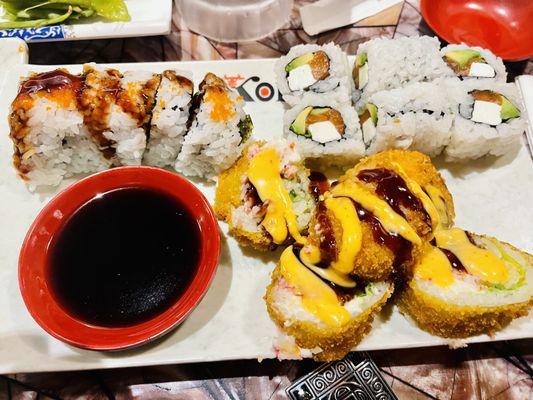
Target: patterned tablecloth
{"x":492,"y":371}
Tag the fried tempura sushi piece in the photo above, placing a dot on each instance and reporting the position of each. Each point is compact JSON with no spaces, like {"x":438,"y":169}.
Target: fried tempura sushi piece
{"x":376,"y":218}
{"x":322,"y":317}
{"x":264,"y":196}
{"x":468,"y":285}
{"x":418,"y":172}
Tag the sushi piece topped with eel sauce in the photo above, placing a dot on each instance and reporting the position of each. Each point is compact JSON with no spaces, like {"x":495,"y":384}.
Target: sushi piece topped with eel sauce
{"x":51,"y":140}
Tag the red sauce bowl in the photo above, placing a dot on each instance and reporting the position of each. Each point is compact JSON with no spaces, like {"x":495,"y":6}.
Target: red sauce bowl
{"x":34,"y":259}
{"x":503,"y":26}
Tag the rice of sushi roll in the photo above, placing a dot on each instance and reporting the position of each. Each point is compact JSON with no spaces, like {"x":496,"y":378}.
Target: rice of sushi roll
{"x":264,"y":197}
{"x":468,"y":285}
{"x":218,"y":127}
{"x":489,"y":122}
{"x":50,"y":139}
{"x":375,"y":220}
{"x":384,"y":64}
{"x":325,"y":130}
{"x":318,"y":315}
{"x":117,"y":110}
{"x":169,"y":119}
{"x":314,"y":68}
{"x":418,"y":117}
{"x":473,"y":62}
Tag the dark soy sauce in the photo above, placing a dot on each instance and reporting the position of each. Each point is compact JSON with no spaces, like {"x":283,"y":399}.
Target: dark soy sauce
{"x":124,"y":257}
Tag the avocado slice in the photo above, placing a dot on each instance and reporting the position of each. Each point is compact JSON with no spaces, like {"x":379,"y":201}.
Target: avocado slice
{"x":361,"y":59}
{"x":373,"y":110}
{"x":319,"y":110}
{"x":299,"y":61}
{"x":508,"y":110}
{"x":462,"y":57}
{"x":298,"y":126}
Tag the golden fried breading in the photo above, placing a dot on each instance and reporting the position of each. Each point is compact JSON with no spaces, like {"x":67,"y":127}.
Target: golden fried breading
{"x":229,"y":187}
{"x":334,"y":342}
{"x":459,"y":321}
{"x":451,"y":321}
{"x":376,"y":262}
{"x":228,"y":196}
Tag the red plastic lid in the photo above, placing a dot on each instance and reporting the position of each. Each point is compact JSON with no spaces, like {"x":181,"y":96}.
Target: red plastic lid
{"x":502,"y":26}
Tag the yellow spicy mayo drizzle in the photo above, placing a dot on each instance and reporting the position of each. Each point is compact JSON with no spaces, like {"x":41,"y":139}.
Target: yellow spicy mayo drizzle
{"x":390,"y":220}
{"x":438,"y":200}
{"x":317,"y":296}
{"x":345,"y":212}
{"x":435,"y":266}
{"x":478,"y":262}
{"x":264,"y":174}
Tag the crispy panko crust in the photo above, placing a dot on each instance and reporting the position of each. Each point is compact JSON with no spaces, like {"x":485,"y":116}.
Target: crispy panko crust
{"x":451,"y":321}
{"x":228,"y":196}
{"x":376,"y":261}
{"x":334,"y":342}
{"x":442,"y":319}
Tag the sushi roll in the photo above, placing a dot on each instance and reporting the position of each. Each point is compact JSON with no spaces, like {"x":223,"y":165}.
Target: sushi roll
{"x":467,"y":285}
{"x":313,"y":68}
{"x":218,"y":127}
{"x":325,"y":130}
{"x":375,"y":220}
{"x":117,"y":109}
{"x":384,"y":64}
{"x":489,"y":122}
{"x":265,"y":196}
{"x":418,"y":117}
{"x":169,"y":119}
{"x":473,"y":62}
{"x":50,"y":139}
{"x":321,"y":317}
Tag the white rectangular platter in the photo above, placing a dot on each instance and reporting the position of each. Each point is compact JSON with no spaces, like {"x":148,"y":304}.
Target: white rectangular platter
{"x":147,"y":18}
{"x":492,"y":196}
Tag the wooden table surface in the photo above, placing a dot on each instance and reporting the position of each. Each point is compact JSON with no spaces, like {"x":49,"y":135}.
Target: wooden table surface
{"x":490,"y":371}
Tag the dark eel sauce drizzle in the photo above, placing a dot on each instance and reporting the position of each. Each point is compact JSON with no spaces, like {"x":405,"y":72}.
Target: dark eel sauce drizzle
{"x":51,"y":80}
{"x":393,"y":189}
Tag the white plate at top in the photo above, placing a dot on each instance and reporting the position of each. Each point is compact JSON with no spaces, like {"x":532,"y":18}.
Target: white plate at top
{"x":492,"y":196}
{"x":148,"y":17}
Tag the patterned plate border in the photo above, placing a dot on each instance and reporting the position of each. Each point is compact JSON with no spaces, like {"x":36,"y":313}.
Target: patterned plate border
{"x":354,"y":377}
{"x":53,"y":32}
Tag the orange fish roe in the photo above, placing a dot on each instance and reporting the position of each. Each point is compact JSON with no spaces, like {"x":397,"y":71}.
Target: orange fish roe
{"x":223,"y":107}
{"x":65,"y":98}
